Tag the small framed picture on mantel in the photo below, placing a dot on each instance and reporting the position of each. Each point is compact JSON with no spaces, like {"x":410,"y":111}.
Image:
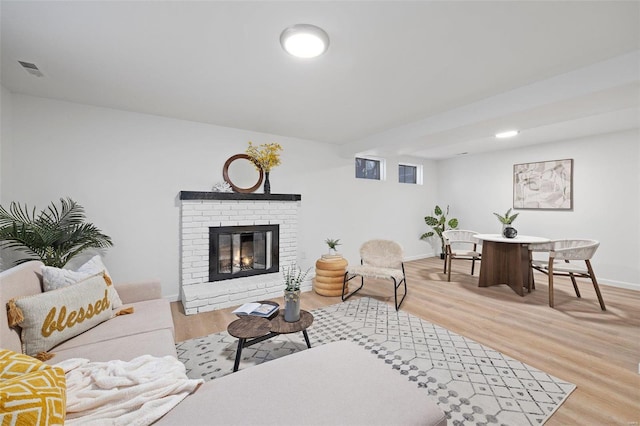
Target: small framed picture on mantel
{"x":543,"y":185}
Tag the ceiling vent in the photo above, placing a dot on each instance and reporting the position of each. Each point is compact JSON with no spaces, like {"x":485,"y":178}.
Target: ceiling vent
{"x":31,"y":68}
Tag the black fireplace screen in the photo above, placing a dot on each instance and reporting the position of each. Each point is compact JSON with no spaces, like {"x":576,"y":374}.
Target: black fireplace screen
{"x":240,"y":251}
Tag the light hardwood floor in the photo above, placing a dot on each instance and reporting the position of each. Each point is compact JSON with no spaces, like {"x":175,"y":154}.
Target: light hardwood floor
{"x":597,"y":351}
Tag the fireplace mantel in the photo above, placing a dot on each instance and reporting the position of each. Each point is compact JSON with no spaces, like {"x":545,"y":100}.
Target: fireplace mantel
{"x":236,"y":196}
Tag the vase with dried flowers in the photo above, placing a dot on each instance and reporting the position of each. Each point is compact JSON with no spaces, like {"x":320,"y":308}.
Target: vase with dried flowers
{"x":265,"y":157}
{"x":293,"y":276}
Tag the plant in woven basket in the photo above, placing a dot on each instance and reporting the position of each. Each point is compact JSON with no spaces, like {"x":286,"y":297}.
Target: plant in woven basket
{"x":439,"y":223}
{"x":54,"y":236}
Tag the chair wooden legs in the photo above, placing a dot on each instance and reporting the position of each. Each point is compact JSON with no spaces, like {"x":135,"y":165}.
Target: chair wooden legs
{"x":449,"y":267}
{"x":550,"y":282}
{"x":595,"y":285}
{"x":575,"y":285}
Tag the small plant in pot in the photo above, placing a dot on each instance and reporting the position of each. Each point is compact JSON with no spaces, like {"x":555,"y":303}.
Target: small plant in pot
{"x":439,"y":223}
{"x":293,"y":276}
{"x":333,"y":244}
{"x":508,"y":231}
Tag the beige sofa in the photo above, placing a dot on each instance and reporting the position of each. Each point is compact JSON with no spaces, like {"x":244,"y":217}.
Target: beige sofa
{"x":337,"y":383}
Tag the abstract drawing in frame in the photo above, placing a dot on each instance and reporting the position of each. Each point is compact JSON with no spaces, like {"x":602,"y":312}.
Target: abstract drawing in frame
{"x":543,"y":185}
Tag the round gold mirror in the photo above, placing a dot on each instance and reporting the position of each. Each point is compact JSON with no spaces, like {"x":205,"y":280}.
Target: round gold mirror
{"x":240,"y":172}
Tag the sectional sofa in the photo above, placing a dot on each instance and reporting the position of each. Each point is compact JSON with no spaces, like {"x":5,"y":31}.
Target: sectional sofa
{"x":337,"y":383}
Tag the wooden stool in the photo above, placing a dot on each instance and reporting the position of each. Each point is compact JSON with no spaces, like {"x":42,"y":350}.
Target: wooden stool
{"x":330,"y":270}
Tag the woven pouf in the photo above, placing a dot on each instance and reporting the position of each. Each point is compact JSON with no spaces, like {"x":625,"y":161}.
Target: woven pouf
{"x":330,"y":270}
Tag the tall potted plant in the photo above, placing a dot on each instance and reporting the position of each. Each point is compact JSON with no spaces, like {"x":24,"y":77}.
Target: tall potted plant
{"x":53,"y":236}
{"x":439,"y":223}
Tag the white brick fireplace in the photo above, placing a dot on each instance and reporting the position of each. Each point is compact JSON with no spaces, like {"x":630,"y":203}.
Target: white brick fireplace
{"x":202,"y":210}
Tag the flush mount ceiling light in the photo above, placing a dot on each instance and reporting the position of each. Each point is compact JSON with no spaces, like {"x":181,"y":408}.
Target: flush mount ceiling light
{"x":507,"y":134}
{"x":304,"y":41}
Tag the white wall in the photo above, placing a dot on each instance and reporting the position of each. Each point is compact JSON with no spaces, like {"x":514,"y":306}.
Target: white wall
{"x":606,"y":183}
{"x":126,"y":169}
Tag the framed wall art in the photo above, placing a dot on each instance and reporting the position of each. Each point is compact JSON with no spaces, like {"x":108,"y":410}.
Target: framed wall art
{"x":543,"y":185}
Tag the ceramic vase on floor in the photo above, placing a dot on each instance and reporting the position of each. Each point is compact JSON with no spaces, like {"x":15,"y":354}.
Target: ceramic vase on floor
{"x":292,"y":305}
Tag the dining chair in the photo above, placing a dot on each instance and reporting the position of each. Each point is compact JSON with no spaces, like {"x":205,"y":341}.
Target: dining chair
{"x":460,"y":244}
{"x":379,"y":259}
{"x":563,"y":255}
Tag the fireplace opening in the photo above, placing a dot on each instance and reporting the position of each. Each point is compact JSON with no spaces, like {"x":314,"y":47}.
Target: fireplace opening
{"x":240,"y":251}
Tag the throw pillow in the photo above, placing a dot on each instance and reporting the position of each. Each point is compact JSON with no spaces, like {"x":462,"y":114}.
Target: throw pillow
{"x":31,"y":392}
{"x":55,"y":278}
{"x":50,"y":318}
{"x":13,"y":364}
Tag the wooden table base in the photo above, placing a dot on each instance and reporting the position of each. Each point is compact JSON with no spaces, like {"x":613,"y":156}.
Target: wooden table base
{"x":505,"y":263}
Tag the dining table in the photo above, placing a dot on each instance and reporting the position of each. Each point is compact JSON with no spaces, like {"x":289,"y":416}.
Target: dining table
{"x":507,"y":261}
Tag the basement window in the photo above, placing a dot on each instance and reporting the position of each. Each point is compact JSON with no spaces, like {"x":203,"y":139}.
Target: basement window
{"x":410,"y":173}
{"x":370,"y":168}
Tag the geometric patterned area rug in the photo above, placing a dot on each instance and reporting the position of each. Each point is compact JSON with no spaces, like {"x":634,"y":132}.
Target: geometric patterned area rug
{"x":472,"y":384}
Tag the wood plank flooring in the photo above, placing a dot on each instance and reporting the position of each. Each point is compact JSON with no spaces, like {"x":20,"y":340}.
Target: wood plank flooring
{"x":597,"y":351}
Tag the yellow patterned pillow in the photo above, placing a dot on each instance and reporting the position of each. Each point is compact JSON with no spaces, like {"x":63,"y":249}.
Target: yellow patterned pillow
{"x":31,"y":392}
{"x":50,"y":318}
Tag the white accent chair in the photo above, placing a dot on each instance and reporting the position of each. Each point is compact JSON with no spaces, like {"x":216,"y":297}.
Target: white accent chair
{"x":561,"y":253}
{"x":379,"y":259}
{"x":460,"y":244}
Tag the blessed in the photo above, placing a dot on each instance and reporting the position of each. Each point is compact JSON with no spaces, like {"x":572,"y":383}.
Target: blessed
{"x":75,"y":317}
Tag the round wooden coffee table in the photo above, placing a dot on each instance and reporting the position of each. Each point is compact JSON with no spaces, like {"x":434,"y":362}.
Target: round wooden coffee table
{"x":250,"y":330}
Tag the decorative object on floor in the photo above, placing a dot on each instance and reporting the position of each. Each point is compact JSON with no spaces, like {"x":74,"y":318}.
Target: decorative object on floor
{"x":439,"y":223}
{"x":137,"y":392}
{"x":265,"y":157}
{"x":240,"y":169}
{"x":561,"y":253}
{"x":543,"y":185}
{"x":460,"y":244}
{"x":379,"y":259}
{"x":223,"y":186}
{"x":330,"y":270}
{"x":472,"y":383}
{"x":333,"y":245}
{"x":54,"y":236}
{"x":293,"y":276}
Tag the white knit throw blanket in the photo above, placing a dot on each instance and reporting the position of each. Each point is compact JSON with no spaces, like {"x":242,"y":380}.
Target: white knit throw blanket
{"x":137,"y":392}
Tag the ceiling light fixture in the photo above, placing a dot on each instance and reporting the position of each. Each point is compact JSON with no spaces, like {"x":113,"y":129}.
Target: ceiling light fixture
{"x":508,"y":134}
{"x":304,"y":41}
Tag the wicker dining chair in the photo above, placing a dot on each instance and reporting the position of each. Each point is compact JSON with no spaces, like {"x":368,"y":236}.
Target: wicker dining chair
{"x":563,"y":258}
{"x":460,"y":244}
{"x":379,"y":259}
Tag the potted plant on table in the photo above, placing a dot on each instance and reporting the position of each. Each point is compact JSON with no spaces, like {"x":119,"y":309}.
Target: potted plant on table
{"x":53,"y":236}
{"x":439,"y":223}
{"x":507,"y":230}
{"x":333,"y":244}
{"x":293,"y":276}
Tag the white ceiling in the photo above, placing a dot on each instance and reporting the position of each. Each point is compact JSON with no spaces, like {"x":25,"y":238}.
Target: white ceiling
{"x":417,"y":78}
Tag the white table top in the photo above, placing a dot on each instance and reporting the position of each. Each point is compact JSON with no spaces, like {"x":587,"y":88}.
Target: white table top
{"x":519,"y":239}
